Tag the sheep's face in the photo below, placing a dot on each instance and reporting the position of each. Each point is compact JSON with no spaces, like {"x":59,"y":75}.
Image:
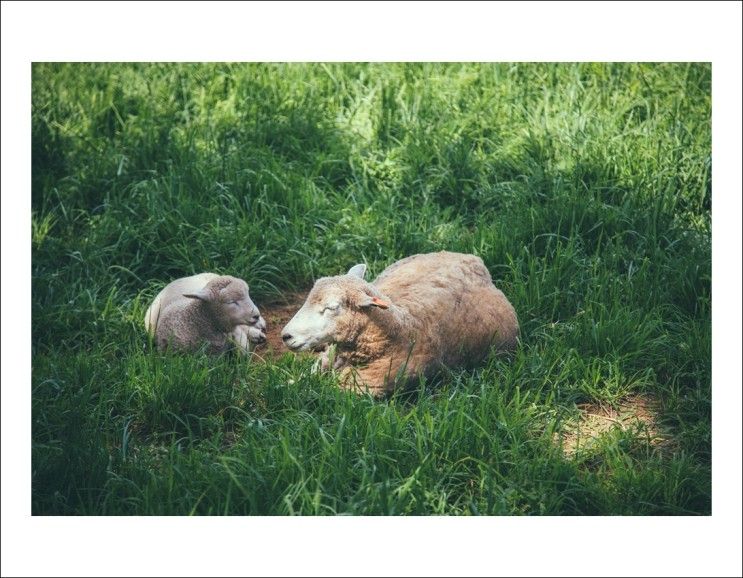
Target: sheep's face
{"x":332,"y":313}
{"x":315,"y":325}
{"x":229,"y":302}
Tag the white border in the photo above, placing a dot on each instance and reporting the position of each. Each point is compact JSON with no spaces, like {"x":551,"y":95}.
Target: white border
{"x":378,"y":31}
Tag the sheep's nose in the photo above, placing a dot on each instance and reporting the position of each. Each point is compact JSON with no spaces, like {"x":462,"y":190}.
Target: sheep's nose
{"x":286,"y":336}
{"x":255,"y":318}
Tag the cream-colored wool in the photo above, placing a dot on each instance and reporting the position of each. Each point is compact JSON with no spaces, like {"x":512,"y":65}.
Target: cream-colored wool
{"x":423,"y":312}
{"x":205,"y":309}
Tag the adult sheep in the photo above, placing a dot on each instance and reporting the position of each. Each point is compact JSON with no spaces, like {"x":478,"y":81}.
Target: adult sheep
{"x":207,"y":308}
{"x":422,"y":313}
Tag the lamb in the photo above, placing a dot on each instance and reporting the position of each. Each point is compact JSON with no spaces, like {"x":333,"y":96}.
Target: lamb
{"x":422,"y":313}
{"x":205,"y":309}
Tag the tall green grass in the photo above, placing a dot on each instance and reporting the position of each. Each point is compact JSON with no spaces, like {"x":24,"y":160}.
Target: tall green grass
{"x":584,"y":187}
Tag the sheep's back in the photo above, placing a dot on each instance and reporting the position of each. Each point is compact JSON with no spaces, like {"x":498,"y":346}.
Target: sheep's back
{"x":429,"y":278}
{"x":459,"y":312}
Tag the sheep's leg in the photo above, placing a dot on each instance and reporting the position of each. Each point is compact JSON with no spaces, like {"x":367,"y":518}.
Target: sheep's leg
{"x":239,"y":337}
{"x":256,"y":335}
{"x":246,"y":337}
{"x":372,"y":379}
{"x":331,"y":358}
{"x":257,"y":332}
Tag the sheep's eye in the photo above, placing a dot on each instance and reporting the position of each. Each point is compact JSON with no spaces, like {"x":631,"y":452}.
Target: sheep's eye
{"x":330,"y":307}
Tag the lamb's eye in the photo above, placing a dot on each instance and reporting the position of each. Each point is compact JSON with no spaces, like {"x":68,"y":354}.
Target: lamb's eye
{"x":332,"y":307}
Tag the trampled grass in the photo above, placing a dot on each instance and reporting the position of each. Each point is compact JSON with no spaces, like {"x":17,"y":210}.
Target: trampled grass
{"x":584,"y":187}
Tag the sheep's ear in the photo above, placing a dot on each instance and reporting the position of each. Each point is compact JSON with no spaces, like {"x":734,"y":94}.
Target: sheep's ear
{"x":369,"y":301}
{"x":357,"y":271}
{"x":203,"y":295}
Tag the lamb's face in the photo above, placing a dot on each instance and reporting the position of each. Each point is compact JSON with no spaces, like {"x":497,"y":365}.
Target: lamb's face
{"x":229,"y":302}
{"x":234,"y":305}
{"x":316,"y":324}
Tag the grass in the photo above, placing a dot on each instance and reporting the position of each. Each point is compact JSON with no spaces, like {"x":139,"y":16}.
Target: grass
{"x":584,"y":187}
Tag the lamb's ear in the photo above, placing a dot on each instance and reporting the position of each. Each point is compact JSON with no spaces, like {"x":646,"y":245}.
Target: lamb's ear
{"x":369,"y":301}
{"x":357,"y":271}
{"x":203,"y":295}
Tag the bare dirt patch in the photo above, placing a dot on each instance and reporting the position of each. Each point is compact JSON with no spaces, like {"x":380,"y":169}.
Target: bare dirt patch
{"x":277,"y":314}
{"x":639,"y":414}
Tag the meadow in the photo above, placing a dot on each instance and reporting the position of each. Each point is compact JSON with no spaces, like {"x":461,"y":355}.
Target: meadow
{"x":585,"y":188}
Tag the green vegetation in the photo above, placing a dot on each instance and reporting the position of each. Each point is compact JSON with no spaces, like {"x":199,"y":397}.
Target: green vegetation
{"x":585,"y":189}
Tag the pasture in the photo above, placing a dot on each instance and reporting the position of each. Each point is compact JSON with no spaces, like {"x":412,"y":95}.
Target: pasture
{"x":585,"y":188}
